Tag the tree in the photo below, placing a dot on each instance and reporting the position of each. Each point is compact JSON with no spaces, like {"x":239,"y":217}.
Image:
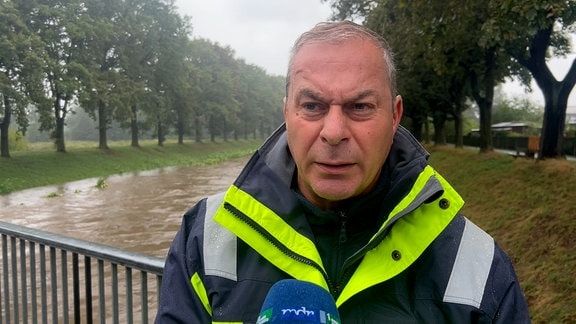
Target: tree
{"x":129,"y":62}
{"x":172,"y":69}
{"x":439,"y":33}
{"x":517,"y":110}
{"x":100,"y":56}
{"x":257,"y":94}
{"x":531,"y":31}
{"x":20,"y":77}
{"x":60,"y":27}
{"x":216,"y":103}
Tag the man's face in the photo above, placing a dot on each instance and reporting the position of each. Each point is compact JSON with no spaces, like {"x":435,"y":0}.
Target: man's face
{"x":340,"y":119}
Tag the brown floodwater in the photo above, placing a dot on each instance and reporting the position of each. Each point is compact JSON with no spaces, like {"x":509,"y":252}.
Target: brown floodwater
{"x":139,"y":211}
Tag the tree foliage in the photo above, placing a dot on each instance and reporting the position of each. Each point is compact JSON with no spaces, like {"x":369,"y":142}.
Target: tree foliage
{"x":20,"y":72}
{"x":131,"y":63}
{"x":517,"y":110}
{"x":476,"y":44}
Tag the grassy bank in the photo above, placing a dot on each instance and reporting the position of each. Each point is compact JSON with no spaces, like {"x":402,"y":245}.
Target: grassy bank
{"x":40,"y":165}
{"x":530,"y":208}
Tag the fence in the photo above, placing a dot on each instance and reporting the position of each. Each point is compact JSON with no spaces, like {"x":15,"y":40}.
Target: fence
{"x":515,"y":143}
{"x":49,"y":278}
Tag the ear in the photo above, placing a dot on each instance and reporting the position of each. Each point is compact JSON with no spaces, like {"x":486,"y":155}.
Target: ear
{"x":398,"y":109}
{"x":284,"y":107}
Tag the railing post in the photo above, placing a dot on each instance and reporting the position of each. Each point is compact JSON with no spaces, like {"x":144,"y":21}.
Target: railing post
{"x":101,"y":292}
{"x":14,"y":263}
{"x":54,"y":284}
{"x":76,"y":287}
{"x":23,"y":278}
{"x":64,"y":267}
{"x":43,"y":298}
{"x":115,"y":311}
{"x":88,"y":280}
{"x":6,"y":279}
{"x":144,"y":296}
{"x":129,"y":304}
{"x":33,"y":282}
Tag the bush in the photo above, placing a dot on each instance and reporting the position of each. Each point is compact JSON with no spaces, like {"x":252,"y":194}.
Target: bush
{"x":17,"y":141}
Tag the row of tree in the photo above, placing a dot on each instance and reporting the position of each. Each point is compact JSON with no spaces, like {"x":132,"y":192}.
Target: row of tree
{"x":450,"y":52}
{"x":133,"y":62}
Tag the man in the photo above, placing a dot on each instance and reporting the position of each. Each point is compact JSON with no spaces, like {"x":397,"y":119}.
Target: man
{"x":340,"y":196}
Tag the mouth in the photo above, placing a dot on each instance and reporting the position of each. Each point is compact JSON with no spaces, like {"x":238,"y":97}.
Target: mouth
{"x":335,"y":168}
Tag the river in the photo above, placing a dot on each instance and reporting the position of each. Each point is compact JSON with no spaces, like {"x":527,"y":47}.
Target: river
{"x":139,"y":211}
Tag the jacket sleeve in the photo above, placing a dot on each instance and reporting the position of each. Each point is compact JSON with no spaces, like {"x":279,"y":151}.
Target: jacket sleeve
{"x":178,"y":302}
{"x":513,"y":307}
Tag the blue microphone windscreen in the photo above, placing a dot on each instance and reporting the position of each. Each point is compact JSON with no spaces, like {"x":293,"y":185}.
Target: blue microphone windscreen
{"x":295,"y":301}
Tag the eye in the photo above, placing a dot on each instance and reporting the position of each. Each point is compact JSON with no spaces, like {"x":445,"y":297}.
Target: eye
{"x":361,"y":110}
{"x":312,"y":109}
{"x":360,"y":106}
{"x":310,"y":106}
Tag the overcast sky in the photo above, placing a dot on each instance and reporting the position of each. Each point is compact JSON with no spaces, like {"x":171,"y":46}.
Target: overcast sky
{"x":262,"y":32}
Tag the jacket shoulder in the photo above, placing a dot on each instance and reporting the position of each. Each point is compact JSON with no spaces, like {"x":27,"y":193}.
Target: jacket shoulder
{"x":478,"y":274}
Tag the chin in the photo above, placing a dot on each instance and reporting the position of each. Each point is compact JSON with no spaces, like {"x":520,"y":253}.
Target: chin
{"x":334,"y":195}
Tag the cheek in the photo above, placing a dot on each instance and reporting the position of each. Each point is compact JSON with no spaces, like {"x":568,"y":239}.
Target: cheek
{"x":376,"y":141}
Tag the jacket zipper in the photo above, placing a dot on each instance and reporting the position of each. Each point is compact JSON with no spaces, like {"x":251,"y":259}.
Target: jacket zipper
{"x":343,"y":235}
{"x":281,"y":247}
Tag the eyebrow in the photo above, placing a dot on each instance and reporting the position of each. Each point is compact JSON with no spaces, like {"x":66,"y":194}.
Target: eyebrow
{"x":318,"y":97}
{"x":309,"y":94}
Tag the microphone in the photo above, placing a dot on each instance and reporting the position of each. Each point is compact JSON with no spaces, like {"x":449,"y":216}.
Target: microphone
{"x":295,"y":301}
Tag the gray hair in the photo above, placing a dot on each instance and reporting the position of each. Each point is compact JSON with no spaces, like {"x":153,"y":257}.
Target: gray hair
{"x":326,"y":32}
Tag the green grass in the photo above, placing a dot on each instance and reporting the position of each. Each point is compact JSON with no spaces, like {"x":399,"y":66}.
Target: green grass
{"x":40,"y":165}
{"x":530,"y":208}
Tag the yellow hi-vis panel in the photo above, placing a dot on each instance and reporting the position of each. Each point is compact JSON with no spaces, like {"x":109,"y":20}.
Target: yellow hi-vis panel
{"x":276,"y":227}
{"x":407,"y":239}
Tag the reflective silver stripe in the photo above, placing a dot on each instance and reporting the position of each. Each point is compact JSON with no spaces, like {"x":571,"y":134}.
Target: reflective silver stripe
{"x":219,"y":243}
{"x":471,"y":268}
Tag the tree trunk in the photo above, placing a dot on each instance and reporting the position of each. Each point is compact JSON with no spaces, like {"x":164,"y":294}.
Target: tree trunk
{"x":426,"y":130}
{"x":552,"y":136}
{"x":102,"y":125}
{"x":4,"y":126}
{"x":486,"y":144}
{"x":439,"y":129}
{"x":459,"y":126}
{"x":483,"y":93}
{"x":180,"y":132}
{"x":555,"y":93}
{"x":160,"y":133}
{"x":197,"y":130}
{"x":417,"y":123}
{"x":58,"y":134}
{"x":134,"y":127}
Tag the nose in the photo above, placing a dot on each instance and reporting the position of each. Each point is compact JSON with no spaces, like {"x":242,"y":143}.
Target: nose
{"x":334,"y":129}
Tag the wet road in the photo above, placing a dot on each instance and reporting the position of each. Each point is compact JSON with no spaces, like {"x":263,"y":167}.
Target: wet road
{"x":140,"y":212}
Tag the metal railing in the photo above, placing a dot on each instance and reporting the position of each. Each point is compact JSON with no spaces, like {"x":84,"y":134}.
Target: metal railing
{"x":50,"y":278}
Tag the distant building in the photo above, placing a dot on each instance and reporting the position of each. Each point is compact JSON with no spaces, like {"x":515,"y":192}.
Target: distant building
{"x":571,"y":118}
{"x":519,"y":128}
{"x":571,"y":115}
{"x":507,"y":127}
